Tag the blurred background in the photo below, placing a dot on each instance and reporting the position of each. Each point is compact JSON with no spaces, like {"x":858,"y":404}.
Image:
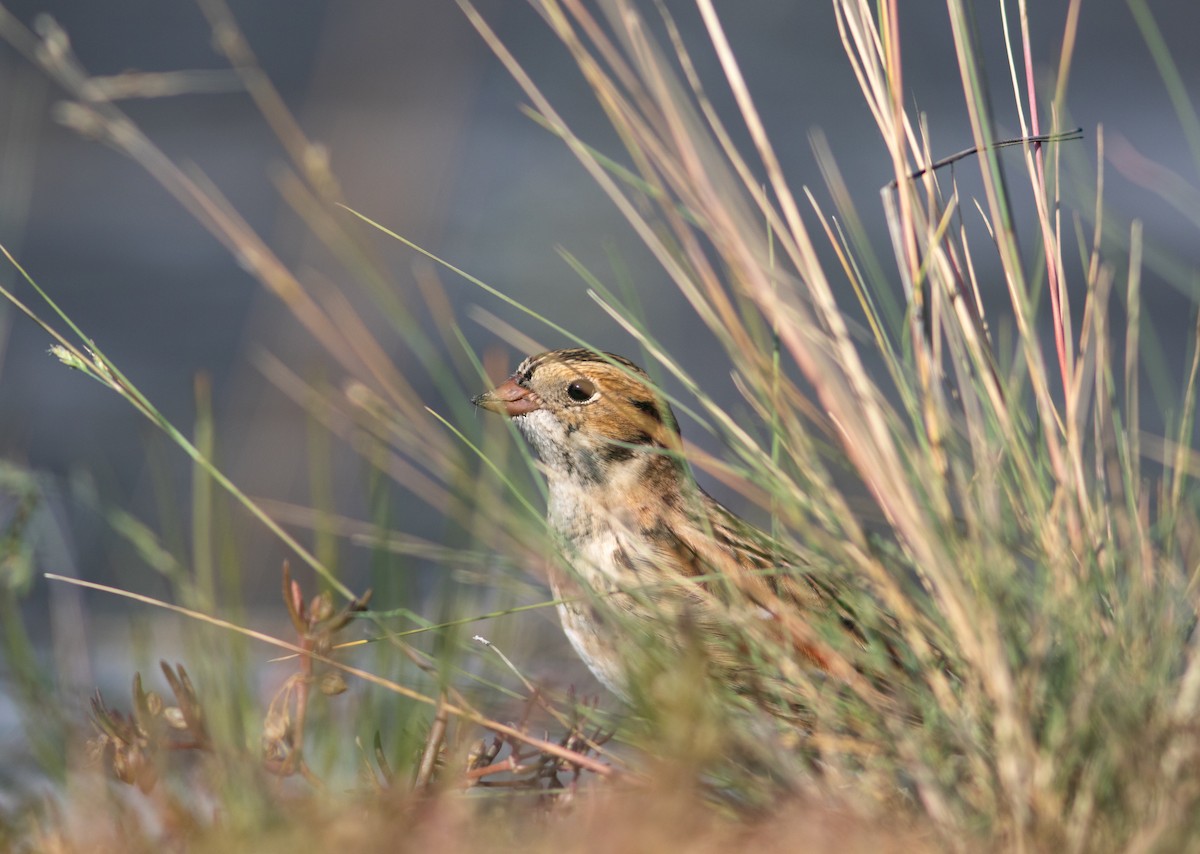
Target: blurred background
{"x":424,"y":133}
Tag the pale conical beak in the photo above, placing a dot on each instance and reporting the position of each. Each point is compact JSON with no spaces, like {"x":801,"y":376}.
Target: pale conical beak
{"x":508,"y":398}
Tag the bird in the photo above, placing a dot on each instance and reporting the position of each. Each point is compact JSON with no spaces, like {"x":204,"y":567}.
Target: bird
{"x":651,"y":554}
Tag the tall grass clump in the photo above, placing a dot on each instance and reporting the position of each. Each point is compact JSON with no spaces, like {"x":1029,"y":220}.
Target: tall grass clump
{"x":1022,"y":577}
{"x":1035,"y":578}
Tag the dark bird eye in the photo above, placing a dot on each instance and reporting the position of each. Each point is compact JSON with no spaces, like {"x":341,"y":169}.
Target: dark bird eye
{"x":581,"y":390}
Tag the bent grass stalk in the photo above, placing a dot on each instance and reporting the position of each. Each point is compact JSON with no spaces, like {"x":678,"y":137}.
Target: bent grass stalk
{"x":465,"y":713}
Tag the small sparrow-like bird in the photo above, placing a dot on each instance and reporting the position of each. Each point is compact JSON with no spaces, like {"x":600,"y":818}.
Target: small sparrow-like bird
{"x":644,"y":542}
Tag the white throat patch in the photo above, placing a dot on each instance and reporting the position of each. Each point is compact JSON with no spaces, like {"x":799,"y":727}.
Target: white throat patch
{"x":547,"y":436}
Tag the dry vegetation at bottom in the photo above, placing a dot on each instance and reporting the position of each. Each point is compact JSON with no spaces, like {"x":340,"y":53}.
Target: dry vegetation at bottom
{"x":614,"y":819}
{"x":156,"y":778}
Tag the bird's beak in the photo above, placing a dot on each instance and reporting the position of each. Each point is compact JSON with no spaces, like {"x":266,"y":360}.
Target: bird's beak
{"x":508,"y":398}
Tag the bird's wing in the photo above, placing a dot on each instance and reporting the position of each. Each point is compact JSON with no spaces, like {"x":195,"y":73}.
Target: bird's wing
{"x":725,"y":562}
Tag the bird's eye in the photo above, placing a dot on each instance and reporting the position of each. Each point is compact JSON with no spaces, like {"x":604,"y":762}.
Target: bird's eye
{"x":581,"y":390}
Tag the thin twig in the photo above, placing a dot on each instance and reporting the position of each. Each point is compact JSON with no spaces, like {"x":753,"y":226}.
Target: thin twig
{"x":1064,"y":136}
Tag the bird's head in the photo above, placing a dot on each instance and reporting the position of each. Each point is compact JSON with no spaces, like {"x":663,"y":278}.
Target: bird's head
{"x":585,"y":413}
